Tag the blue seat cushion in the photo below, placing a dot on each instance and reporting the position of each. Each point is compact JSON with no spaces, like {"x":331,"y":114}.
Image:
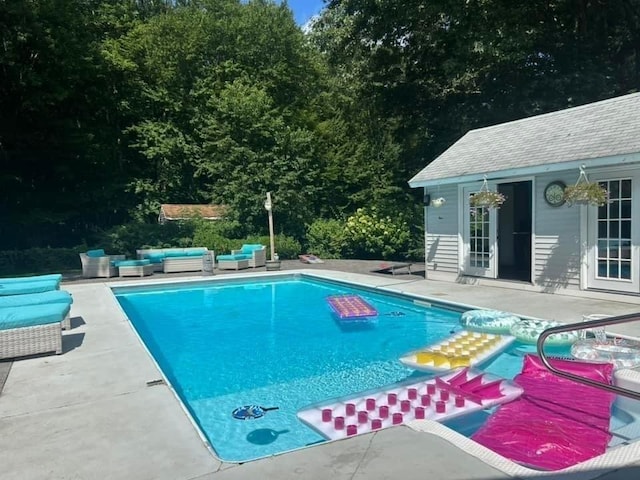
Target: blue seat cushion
{"x":34,"y":278}
{"x":175,"y":253}
{"x":96,"y":253}
{"x":250,"y":248}
{"x":132,"y":263}
{"x":20,"y":288}
{"x":154,"y":257}
{"x":237,"y":256}
{"x":195,"y":253}
{"x":53,"y":296}
{"x":31,"y":315}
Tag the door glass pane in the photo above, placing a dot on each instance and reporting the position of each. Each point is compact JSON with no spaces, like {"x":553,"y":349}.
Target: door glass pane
{"x":602,"y":248}
{"x":625,"y":270}
{"x":613,"y":187}
{"x":614,"y":229}
{"x":625,"y":230}
{"x":614,"y":209}
{"x":625,"y":249}
{"x":602,"y":268}
{"x":602,"y":229}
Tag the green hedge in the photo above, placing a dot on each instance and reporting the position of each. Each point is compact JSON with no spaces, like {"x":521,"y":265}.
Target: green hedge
{"x":39,"y":260}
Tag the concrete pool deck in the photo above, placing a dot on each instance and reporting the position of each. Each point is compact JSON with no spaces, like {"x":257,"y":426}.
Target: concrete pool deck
{"x":89,"y":413}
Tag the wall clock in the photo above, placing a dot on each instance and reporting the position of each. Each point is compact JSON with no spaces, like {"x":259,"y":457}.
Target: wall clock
{"x":554,"y":193}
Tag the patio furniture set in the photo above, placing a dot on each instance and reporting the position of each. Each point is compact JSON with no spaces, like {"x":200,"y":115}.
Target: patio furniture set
{"x":96,"y":263}
{"x":33,"y":312}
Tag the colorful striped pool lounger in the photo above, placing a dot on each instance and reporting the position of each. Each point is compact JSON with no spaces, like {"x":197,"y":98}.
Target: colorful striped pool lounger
{"x":351,"y":306}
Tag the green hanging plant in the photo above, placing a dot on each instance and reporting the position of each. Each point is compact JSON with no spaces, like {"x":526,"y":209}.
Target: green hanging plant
{"x":585,"y":193}
{"x":485,"y":198}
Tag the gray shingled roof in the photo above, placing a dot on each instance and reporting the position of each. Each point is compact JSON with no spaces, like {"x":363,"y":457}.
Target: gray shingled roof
{"x":596,"y":130}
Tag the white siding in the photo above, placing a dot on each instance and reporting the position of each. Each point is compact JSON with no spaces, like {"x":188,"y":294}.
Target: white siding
{"x":442,"y":231}
{"x":557,"y":238}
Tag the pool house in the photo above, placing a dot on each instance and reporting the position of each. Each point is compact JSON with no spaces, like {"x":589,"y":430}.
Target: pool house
{"x":536,"y":239}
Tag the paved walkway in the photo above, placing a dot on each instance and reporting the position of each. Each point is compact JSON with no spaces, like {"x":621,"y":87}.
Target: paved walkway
{"x":89,"y":414}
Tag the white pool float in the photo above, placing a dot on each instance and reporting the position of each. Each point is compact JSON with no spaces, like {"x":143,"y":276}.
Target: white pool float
{"x":621,"y":353}
{"x":462,"y":349}
{"x":488,"y":321}
{"x":528,"y":331}
{"x":457,"y":393}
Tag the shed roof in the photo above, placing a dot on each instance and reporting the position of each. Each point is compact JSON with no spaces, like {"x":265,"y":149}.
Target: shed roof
{"x":174,"y":211}
{"x":605,"y":129}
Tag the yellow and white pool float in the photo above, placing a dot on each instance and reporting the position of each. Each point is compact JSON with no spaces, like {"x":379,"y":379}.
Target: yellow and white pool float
{"x":463,"y":349}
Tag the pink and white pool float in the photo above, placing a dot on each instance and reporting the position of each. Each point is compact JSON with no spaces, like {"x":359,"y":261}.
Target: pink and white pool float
{"x":457,"y":393}
{"x":351,"y":307}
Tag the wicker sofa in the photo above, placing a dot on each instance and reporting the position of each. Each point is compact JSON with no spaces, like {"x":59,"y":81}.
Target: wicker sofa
{"x":172,"y":260}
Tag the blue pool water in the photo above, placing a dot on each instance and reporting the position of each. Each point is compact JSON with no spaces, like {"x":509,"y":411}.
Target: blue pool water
{"x":277,"y":343}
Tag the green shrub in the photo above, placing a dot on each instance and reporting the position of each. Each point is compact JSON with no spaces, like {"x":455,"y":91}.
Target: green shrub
{"x":286,"y":247}
{"x":326,"y":238}
{"x":217,"y":236}
{"x":220,"y":228}
{"x":369,"y":235}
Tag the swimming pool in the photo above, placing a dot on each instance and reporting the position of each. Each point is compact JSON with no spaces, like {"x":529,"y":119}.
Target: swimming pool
{"x":272,"y":342}
{"x":275,"y":342}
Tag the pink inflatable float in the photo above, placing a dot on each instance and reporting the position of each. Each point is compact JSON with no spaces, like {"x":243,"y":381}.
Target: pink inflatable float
{"x":557,"y":422}
{"x":351,"y":306}
{"x":457,"y":393}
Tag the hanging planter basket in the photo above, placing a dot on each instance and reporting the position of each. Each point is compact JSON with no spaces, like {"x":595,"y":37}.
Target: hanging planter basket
{"x":485,"y":198}
{"x":438,"y":202}
{"x":585,"y":193}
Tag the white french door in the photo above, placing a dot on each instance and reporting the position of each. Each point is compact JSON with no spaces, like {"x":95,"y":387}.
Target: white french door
{"x":479,"y":237}
{"x":614,"y":236}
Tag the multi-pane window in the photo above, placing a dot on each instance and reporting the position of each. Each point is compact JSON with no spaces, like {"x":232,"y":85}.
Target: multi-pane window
{"x":614,"y":231}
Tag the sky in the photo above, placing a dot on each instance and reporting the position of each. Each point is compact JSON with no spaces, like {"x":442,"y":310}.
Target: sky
{"x":303,"y":10}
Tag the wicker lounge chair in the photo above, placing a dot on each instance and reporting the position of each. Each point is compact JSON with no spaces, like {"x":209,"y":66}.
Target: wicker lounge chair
{"x":31,"y":330}
{"x":257,"y":254}
{"x":45,"y":298}
{"x":248,"y":256}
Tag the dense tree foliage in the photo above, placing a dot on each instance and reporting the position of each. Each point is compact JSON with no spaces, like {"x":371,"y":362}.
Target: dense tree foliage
{"x":109,"y":108}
